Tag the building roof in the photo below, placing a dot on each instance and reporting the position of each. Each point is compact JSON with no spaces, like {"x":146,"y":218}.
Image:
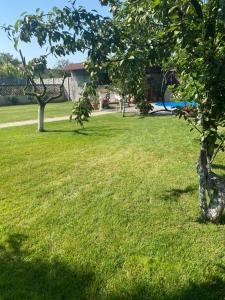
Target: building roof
{"x":80,"y":66}
{"x":74,"y":67}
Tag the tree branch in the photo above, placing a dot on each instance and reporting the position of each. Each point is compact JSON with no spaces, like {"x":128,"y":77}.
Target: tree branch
{"x":29,"y":79}
{"x":60,"y":89}
{"x":43,"y":85}
{"x":197,"y":7}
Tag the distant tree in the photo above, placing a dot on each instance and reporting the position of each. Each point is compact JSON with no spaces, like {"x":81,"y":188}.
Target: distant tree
{"x":58,"y":69}
{"x":8,"y":58}
{"x":61,"y":64}
{"x":9,"y":66}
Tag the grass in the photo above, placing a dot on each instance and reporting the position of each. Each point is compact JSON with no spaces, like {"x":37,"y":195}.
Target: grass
{"x":29,"y":112}
{"x":109,"y":212}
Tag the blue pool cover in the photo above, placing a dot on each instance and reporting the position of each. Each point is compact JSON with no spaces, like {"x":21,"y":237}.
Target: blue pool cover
{"x":175,"y":104}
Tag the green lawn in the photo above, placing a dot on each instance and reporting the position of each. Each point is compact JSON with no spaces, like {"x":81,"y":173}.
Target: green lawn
{"x":29,"y":112}
{"x":106,"y":213}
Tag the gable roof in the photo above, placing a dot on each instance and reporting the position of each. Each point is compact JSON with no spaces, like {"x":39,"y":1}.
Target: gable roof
{"x":74,"y":67}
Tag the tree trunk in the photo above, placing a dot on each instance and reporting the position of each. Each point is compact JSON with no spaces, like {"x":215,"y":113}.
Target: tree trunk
{"x":121,"y":104}
{"x":211,"y":187}
{"x":123,"y":107}
{"x":100,"y":104}
{"x":41,"y":110}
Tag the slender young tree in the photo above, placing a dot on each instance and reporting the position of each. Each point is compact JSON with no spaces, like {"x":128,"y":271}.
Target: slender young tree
{"x":34,"y":71}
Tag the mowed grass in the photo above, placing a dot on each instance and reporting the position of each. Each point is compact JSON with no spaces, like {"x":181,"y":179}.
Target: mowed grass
{"x":29,"y":112}
{"x":109,"y":212}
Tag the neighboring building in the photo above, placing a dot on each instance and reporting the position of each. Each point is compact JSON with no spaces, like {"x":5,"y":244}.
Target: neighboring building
{"x":79,"y":76}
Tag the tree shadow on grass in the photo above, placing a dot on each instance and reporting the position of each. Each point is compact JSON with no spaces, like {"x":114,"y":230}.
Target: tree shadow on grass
{"x":210,"y":290}
{"x":130,"y":114}
{"x":155,"y":115}
{"x":213,"y":289}
{"x":24,"y":278}
{"x":222,"y":220}
{"x":59,"y":130}
{"x":218,"y":166}
{"x":175,"y":194}
{"x":92,"y":131}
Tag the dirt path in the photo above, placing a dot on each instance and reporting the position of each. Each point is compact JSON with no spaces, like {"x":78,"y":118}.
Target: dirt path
{"x":48,"y":120}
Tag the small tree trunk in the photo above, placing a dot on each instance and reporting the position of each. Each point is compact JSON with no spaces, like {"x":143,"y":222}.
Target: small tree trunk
{"x":123,"y":107}
{"x":121,"y":104}
{"x":41,"y":110}
{"x":211,"y":187}
{"x":100,"y":104}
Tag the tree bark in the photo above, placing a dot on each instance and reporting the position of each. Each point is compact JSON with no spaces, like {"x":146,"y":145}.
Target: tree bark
{"x":211,"y":187}
{"x":123,"y":107}
{"x":41,"y":110}
{"x":121,"y":104}
{"x":100,"y":104}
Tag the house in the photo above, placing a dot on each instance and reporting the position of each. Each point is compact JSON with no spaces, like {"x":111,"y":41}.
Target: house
{"x":79,"y":76}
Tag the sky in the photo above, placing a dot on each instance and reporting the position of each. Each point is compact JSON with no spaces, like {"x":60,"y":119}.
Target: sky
{"x":11,"y":11}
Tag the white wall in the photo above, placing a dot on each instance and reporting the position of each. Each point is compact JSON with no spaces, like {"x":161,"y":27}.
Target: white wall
{"x":168,"y":96}
{"x":78,"y":79}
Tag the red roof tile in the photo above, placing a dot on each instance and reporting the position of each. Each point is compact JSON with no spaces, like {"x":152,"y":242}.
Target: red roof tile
{"x":73,"y":67}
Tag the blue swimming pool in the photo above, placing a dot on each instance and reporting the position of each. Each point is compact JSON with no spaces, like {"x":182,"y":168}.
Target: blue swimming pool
{"x":175,"y":104}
